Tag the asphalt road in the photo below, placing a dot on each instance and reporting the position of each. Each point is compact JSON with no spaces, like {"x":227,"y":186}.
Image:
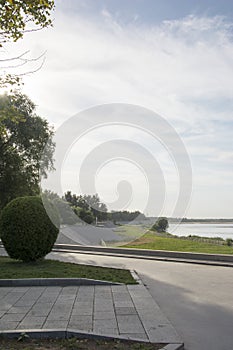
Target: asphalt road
{"x":197,"y":299}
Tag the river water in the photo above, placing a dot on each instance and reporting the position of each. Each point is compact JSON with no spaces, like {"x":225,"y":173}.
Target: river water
{"x":205,"y":230}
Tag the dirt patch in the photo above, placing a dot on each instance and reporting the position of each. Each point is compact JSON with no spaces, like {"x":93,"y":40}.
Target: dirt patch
{"x":76,"y":344}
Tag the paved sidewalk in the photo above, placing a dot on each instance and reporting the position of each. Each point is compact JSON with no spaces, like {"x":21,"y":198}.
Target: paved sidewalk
{"x":127,"y":311}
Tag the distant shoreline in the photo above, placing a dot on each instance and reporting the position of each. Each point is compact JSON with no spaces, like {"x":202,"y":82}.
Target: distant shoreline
{"x":220,"y":221}
{"x":194,"y":221}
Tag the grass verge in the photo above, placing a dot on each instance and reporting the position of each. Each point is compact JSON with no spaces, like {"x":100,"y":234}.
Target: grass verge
{"x":151,"y":241}
{"x":10,"y":268}
{"x":76,"y":344}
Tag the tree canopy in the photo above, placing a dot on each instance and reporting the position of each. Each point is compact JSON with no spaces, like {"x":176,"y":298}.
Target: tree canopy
{"x":17,"y":15}
{"x":161,"y":225}
{"x":87,"y":206}
{"x":24,"y":137}
{"x":16,"y":18}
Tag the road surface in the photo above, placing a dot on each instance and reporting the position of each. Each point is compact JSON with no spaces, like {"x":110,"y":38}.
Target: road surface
{"x":197,"y":299}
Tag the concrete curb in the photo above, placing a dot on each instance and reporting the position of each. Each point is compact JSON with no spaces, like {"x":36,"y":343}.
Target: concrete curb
{"x":136,"y":277}
{"x":63,"y":282}
{"x":160,"y":255}
{"x":149,"y":252}
{"x":70,"y":333}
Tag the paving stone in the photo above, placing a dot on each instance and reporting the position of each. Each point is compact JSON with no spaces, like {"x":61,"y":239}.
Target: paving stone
{"x":62,"y":307}
{"x":136,"y":336}
{"x":106,"y":331}
{"x":103,"y":297}
{"x":32,"y":322}
{"x":163,"y":333}
{"x":81,"y":322}
{"x":47,"y":299}
{"x":125,"y":311}
{"x":25,"y":302}
{"x":5,"y":290}
{"x":37,"y":289}
{"x":120,"y":297}
{"x":109,"y":323}
{"x":48,"y":292}
{"x":67,"y":298}
{"x":51,"y":324}
{"x":12,"y":317}
{"x":8,"y":325}
{"x":21,"y":289}
{"x":84,"y":299}
{"x":84,"y":319}
{"x":11,"y":298}
{"x":130,"y":324}
{"x":69,"y":290}
{"x":79,"y":304}
{"x":4,"y":307}
{"x":58,"y":316}
{"x":104,"y":315}
{"x":153,"y":319}
{"x":86,"y":289}
{"x":102,"y":288}
{"x":19,"y":309}
{"x":123,"y":304}
{"x":42,"y":310}
{"x":120,"y":289}
{"x":103,"y":306}
{"x":82,"y":311}
{"x":2,"y":312}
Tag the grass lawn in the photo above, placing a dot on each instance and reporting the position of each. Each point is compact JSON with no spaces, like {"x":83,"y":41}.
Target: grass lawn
{"x":151,"y":241}
{"x":76,"y":344}
{"x":131,"y":231}
{"x":10,"y":268}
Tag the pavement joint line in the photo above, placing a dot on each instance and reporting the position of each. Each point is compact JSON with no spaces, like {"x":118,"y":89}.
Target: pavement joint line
{"x":52,"y":308}
{"x":73,"y":306}
{"x":114,"y":308}
{"x":69,"y":333}
{"x":147,"y":334}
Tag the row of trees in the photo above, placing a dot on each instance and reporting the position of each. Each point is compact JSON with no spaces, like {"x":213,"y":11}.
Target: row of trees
{"x":88,"y":208}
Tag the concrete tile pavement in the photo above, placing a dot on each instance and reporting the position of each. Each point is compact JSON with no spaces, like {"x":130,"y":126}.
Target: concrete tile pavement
{"x":128,"y":311}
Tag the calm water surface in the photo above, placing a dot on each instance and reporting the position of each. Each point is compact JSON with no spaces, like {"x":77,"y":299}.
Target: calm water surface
{"x":204,"y":230}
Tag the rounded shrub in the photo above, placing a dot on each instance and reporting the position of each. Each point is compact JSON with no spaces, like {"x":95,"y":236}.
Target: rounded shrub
{"x":26,"y":230}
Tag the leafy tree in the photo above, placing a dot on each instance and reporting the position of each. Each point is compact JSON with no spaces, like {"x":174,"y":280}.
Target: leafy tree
{"x":18,"y":17}
{"x":126,"y":215}
{"x":15,"y":15}
{"x":85,"y":215}
{"x":23,"y":138}
{"x":97,"y":208}
{"x":161,"y":225}
{"x":90,"y":204}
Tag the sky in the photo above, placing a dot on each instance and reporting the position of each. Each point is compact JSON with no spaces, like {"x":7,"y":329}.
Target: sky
{"x":171,"y":57}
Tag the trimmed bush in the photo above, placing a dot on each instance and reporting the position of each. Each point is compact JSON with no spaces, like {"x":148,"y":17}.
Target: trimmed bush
{"x":161,"y":225}
{"x":229,"y":242}
{"x":26,"y":230}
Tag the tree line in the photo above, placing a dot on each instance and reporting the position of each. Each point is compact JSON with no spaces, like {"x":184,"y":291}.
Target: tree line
{"x":89,"y":209}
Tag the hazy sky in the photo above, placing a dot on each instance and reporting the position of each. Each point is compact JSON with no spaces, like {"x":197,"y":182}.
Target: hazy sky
{"x":173,"y":57}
